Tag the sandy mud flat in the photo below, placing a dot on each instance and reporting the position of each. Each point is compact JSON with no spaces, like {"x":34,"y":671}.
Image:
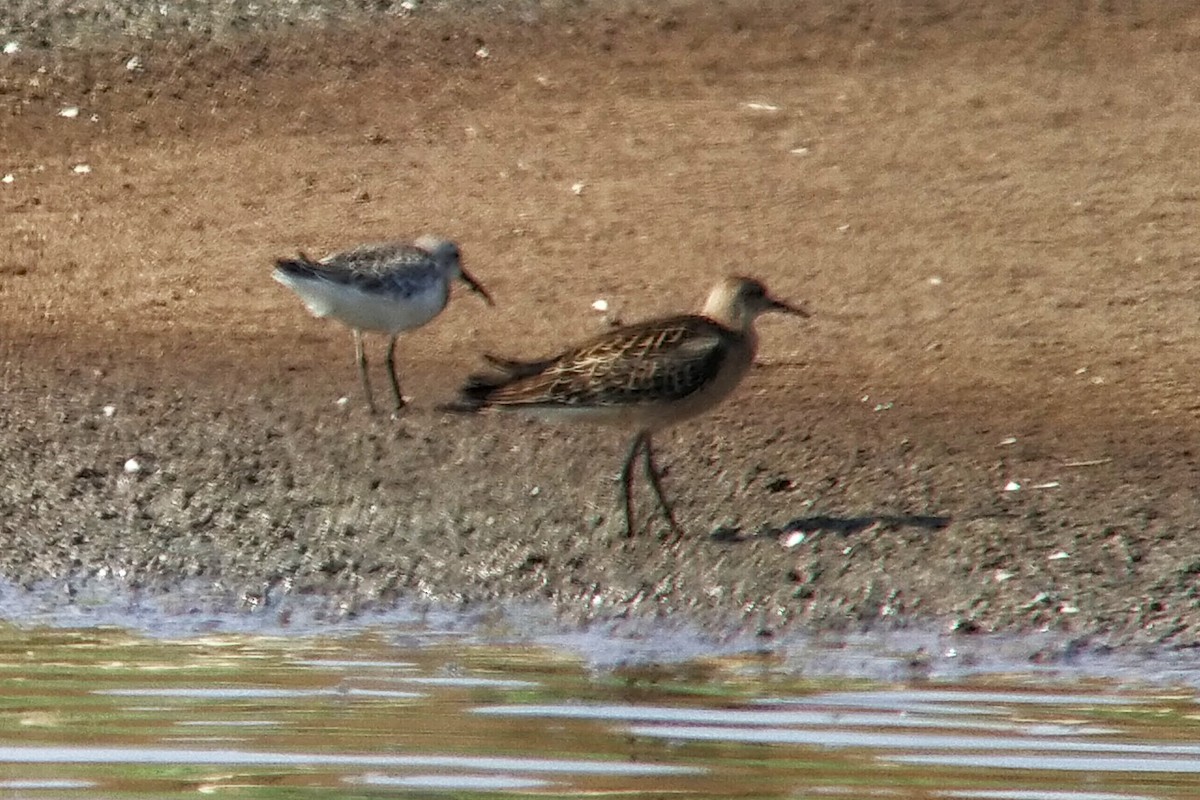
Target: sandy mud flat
{"x":988,"y":425}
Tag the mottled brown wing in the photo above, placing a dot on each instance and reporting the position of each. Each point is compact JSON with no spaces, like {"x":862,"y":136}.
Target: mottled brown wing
{"x":660,"y":360}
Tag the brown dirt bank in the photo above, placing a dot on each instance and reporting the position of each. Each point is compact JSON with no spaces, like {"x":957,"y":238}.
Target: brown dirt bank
{"x":988,"y":206}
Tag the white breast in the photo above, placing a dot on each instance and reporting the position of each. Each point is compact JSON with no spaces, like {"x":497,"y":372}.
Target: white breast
{"x":381,"y":311}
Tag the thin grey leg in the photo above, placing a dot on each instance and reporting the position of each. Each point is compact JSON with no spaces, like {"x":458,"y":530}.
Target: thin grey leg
{"x":627,"y":484}
{"x":391,"y":365}
{"x":361,"y":357}
{"x":656,"y":483}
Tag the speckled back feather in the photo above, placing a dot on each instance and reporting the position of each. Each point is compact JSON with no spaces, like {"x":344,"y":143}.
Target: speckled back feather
{"x":393,"y":265}
{"x":651,"y":362}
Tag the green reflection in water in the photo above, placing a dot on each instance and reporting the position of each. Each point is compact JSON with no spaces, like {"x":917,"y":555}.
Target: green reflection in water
{"x":113,"y":714}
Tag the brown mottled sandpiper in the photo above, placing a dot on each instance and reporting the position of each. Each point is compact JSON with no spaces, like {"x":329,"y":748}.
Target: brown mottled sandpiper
{"x":642,"y":377}
{"x":388,"y":288}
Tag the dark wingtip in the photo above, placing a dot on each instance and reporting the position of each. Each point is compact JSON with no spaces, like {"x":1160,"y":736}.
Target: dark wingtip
{"x":514,"y":368}
{"x":478,"y":390}
{"x":501,"y":363}
{"x":474,"y":395}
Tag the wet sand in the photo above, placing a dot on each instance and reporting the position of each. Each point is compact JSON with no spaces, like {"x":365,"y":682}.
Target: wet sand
{"x":987,"y":207}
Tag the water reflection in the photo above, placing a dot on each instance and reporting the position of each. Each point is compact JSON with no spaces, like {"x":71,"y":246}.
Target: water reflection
{"x":749,"y":718}
{"x":49,"y":783}
{"x":492,"y":783}
{"x":1039,"y":795}
{"x":236,"y":693}
{"x":181,"y":756}
{"x":403,"y":713}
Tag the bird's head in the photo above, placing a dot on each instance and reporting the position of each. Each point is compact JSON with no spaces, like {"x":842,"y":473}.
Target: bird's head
{"x":737,"y":301}
{"x":446,"y":255}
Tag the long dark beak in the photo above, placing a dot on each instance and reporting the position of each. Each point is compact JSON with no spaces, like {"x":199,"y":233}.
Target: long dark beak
{"x":476,"y":286}
{"x":786,"y":308}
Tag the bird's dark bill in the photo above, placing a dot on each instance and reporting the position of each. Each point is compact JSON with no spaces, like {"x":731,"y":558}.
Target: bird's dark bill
{"x":476,"y":287}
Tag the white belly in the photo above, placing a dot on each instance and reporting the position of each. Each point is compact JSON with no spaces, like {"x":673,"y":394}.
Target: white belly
{"x":368,"y":311}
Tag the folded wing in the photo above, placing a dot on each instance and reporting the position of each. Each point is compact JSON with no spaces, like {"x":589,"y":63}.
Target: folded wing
{"x":652,"y":362}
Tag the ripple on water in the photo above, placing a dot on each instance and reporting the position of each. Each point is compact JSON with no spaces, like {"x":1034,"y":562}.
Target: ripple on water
{"x":115,"y":714}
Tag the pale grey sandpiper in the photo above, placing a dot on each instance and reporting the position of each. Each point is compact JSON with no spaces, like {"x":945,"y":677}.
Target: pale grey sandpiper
{"x":642,"y":377}
{"x":387,"y":288}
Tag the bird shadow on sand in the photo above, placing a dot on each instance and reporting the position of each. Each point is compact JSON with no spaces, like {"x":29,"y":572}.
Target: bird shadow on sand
{"x":843,"y":526}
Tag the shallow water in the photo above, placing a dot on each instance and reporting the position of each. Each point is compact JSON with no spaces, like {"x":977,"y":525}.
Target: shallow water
{"x":100,"y":712}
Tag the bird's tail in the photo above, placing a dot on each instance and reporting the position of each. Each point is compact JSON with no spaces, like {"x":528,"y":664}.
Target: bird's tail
{"x":299,"y":267}
{"x":476,"y":394}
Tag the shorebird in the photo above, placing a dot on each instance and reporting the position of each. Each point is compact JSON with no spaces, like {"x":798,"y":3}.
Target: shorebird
{"x":388,"y":288}
{"x":642,"y":377}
